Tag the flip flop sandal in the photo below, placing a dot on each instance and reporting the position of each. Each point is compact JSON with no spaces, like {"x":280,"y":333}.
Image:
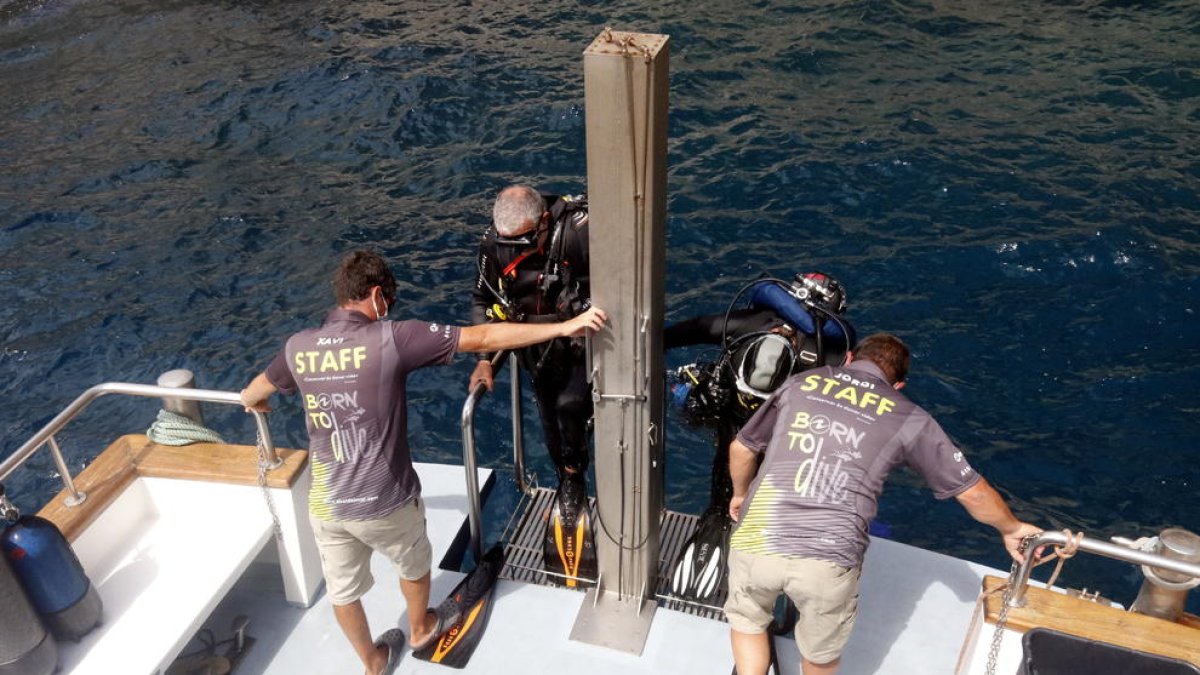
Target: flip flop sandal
{"x":394,"y":640}
{"x":446,"y":616}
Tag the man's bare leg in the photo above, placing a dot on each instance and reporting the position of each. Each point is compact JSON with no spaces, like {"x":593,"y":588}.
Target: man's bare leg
{"x":353,"y":622}
{"x":751,"y":652}
{"x":420,"y":621}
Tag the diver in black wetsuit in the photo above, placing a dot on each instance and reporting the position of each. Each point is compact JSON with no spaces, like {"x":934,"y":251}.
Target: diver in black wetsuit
{"x":533,"y":267}
{"x":786,"y":328}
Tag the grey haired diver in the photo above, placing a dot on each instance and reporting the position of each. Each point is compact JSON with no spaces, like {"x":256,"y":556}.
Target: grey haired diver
{"x":787,"y":327}
{"x":533,"y":268}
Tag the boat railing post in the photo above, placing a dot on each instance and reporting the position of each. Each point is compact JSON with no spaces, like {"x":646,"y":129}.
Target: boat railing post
{"x":1026,"y":567}
{"x":271,"y":459}
{"x":46,"y":434}
{"x":74,"y":496}
{"x":1098,"y":547}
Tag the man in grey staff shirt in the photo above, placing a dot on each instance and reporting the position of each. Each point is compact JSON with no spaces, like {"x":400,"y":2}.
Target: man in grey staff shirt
{"x":828,"y":439}
{"x":352,"y":375}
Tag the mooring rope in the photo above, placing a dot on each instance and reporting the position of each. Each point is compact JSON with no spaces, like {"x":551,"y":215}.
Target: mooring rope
{"x":174,"y":429}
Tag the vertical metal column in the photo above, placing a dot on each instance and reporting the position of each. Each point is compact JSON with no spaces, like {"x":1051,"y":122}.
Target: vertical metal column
{"x":625,"y":89}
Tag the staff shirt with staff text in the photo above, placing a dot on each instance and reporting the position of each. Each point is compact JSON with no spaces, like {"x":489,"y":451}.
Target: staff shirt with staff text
{"x":352,"y":375}
{"x":831,"y":436}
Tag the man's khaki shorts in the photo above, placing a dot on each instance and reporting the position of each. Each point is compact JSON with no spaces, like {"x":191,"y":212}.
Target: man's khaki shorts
{"x":346,"y":546}
{"x":825,"y":594}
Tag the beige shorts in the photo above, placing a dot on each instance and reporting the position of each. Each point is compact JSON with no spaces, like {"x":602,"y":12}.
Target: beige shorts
{"x":825,"y":594}
{"x":346,"y":547}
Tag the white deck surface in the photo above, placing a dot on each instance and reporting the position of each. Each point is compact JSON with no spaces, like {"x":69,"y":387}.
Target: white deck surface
{"x":157,"y":581}
{"x":914,"y":612}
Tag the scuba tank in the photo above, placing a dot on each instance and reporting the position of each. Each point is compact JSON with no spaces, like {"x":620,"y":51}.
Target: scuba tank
{"x":49,"y":572}
{"x":25,"y":646}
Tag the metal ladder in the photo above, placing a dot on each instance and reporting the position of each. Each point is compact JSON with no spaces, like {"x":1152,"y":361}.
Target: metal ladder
{"x":525,"y":530}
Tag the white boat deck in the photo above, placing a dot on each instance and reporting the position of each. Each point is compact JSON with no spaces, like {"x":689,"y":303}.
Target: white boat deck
{"x":157,"y":557}
{"x":915,"y":609}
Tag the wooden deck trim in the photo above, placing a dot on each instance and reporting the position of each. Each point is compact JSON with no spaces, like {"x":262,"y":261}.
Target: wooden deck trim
{"x":215,"y":462}
{"x":134,"y":455}
{"x":1082,"y":618}
{"x":102,"y":481}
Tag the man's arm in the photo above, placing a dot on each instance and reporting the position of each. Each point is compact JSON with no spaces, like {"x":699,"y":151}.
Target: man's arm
{"x":987,"y":506}
{"x":492,"y":337}
{"x":743,"y":464}
{"x":255,"y":395}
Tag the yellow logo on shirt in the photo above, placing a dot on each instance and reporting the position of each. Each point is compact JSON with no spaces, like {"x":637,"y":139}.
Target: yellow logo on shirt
{"x":327,"y":360}
{"x":848,"y":393}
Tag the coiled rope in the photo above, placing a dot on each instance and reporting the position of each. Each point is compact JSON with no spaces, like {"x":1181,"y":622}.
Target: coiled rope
{"x":174,"y":429}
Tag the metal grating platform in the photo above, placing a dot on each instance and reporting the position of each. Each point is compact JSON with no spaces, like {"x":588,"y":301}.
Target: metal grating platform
{"x":523,"y":547}
{"x":523,"y":541}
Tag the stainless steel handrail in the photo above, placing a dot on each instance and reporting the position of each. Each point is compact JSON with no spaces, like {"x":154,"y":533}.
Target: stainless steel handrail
{"x":518,"y":431}
{"x":474,"y":513}
{"x":46,"y":435}
{"x":1115,"y":551}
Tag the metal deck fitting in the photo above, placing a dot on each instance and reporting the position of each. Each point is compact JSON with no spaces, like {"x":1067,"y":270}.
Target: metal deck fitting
{"x":525,"y":532}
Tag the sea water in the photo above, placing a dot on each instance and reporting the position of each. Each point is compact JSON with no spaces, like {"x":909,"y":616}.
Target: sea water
{"x":1010,"y":187}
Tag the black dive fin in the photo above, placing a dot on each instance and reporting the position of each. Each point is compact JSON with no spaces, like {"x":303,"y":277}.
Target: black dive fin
{"x":472,"y":598}
{"x":568,"y":548}
{"x":701,"y":565}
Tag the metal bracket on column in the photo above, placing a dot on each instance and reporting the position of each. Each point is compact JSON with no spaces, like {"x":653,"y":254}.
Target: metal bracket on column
{"x":623,"y":398}
{"x":598,"y":394}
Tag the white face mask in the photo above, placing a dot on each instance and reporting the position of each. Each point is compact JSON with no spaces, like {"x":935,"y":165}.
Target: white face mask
{"x":375,"y":305}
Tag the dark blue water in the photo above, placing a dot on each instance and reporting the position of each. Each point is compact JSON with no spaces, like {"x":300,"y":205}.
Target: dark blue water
{"x":1014,"y":189}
